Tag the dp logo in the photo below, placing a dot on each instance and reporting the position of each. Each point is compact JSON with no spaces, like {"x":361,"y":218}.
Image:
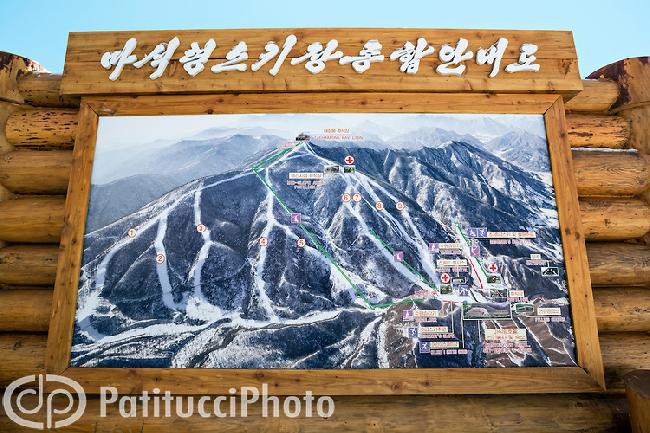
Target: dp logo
{"x":15,"y":415}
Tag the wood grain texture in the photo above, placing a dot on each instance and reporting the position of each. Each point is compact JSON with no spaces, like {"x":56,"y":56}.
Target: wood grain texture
{"x":596,"y":95}
{"x":341,"y":382}
{"x":624,"y":352}
{"x":331,"y":102}
{"x":32,"y":220}
{"x":598,"y":131}
{"x":619,"y":264}
{"x":65,"y":289}
{"x":552,"y":45}
{"x":28,"y":265}
{"x":382,"y":77}
{"x":613,"y":174}
{"x":42,"y":128}
{"x":43,"y":89}
{"x":637,"y":390}
{"x":585,"y":329}
{"x":622,"y":309}
{"x":6,"y":110}
{"x":614,"y":219}
{"x":21,"y":354}
{"x":400,"y":414}
{"x":25,"y":310}
{"x":639,"y":119}
{"x":36,"y":172}
{"x":84,"y":75}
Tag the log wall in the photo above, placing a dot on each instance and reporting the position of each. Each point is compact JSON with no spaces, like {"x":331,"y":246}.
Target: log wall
{"x":37,"y":132}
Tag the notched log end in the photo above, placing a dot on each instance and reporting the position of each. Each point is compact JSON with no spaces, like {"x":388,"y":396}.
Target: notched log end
{"x":618,"y":72}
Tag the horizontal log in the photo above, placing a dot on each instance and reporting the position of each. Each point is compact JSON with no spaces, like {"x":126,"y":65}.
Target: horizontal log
{"x":25,"y":310}
{"x":21,"y":354}
{"x":36,"y":172}
{"x":622,"y":309}
{"x":597,"y":95}
{"x":43,"y":89}
{"x":619,"y":264}
{"x":42,"y":128}
{"x":616,"y":173}
{"x":597,"y":131}
{"x":614,"y":219}
{"x":623,"y":352}
{"x":32,"y":220}
{"x":522,"y":413}
{"x":28,"y":265}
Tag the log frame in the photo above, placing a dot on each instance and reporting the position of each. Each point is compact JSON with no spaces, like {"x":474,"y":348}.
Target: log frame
{"x":589,"y":377}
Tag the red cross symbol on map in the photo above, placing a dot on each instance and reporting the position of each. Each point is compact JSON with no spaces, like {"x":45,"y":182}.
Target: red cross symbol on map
{"x":444,"y":278}
{"x":349,"y":160}
{"x":492,"y":267}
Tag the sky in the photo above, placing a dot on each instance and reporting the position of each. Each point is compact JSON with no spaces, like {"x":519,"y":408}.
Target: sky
{"x":604,"y":31}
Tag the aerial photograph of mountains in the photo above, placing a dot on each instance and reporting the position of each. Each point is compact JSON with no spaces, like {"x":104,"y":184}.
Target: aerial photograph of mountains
{"x":322,"y":241}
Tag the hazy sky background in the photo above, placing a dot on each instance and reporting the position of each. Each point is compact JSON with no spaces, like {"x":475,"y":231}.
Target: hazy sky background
{"x":156,"y":131}
{"x":123,"y":140}
{"x":604,"y":31}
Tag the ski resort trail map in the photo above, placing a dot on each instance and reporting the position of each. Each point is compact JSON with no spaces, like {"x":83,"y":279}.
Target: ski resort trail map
{"x":324,"y":241}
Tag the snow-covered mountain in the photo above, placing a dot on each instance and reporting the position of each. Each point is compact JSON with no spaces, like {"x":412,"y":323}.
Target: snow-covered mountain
{"x":155,"y":171}
{"x":523,"y":149}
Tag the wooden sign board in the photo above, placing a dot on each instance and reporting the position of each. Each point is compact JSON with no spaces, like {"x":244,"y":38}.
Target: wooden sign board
{"x":304,"y":60}
{"x":402,"y":254}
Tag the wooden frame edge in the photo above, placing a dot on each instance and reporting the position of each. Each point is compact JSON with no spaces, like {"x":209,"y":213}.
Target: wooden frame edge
{"x":589,"y":377}
{"x":585,"y":330}
{"x":64,"y":301}
{"x":533,"y":380}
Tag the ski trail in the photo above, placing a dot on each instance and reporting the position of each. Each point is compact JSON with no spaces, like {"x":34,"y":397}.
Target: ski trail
{"x":197,"y":266}
{"x":400,"y":267}
{"x":271,"y":223}
{"x":162,"y":269}
{"x":260,"y":284}
{"x":198,"y":306}
{"x":420,"y":245}
{"x":116,"y":247}
{"x":100,"y":274}
{"x":367,"y":334}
